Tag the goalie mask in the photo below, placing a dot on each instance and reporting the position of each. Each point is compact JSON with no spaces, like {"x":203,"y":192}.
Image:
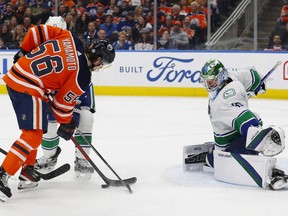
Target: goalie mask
{"x":213,"y":76}
{"x":100,"y":53}
{"x":57,"y":21}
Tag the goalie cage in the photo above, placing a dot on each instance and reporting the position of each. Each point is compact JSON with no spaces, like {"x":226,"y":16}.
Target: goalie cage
{"x":194,"y":156}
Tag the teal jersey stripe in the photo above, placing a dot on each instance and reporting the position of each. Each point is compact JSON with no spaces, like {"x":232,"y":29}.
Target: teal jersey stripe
{"x":223,"y":140}
{"x":256,"y":80}
{"x":244,"y":117}
{"x":248,"y":168}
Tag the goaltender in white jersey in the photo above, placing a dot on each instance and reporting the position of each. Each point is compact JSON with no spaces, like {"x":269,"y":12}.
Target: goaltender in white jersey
{"x":243,"y":151}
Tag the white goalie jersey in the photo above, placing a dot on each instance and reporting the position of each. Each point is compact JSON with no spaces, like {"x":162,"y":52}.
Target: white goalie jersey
{"x":230,"y":105}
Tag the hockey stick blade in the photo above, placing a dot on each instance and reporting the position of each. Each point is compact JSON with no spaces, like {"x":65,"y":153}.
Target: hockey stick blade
{"x":47,"y":176}
{"x":118,"y":183}
{"x":55,"y":173}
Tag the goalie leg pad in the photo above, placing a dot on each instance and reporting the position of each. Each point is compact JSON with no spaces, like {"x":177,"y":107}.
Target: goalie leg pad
{"x":268,"y":141}
{"x":249,"y":170}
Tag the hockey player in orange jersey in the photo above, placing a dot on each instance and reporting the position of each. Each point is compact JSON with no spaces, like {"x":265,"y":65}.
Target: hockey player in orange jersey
{"x":53,"y":60}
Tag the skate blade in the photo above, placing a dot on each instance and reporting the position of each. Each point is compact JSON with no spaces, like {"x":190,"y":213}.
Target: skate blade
{"x":27,"y":185}
{"x":78,"y":176}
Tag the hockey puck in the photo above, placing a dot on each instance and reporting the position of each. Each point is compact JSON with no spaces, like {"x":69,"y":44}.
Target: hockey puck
{"x":105,"y":186}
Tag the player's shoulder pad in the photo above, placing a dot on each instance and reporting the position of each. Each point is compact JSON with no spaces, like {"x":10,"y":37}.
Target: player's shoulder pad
{"x":232,"y":89}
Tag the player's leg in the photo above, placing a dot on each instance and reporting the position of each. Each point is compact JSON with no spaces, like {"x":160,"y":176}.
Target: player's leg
{"x":50,"y":146}
{"x":83,"y":170}
{"x":29,"y":111}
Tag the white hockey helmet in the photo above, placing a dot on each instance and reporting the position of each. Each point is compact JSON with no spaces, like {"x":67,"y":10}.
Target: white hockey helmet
{"x":56,"y":21}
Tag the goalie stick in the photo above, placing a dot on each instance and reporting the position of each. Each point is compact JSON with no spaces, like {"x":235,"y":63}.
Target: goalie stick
{"x":53,"y":174}
{"x":268,"y":74}
{"x":108,"y":181}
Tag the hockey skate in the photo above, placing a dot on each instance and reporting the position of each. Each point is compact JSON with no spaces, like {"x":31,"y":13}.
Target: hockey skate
{"x":4,"y":185}
{"x":45,"y":163}
{"x":28,"y":178}
{"x":279,"y":179}
{"x":83,"y":170}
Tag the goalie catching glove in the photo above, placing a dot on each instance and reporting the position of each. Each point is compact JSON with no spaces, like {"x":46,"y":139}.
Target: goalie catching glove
{"x":66,"y":131}
{"x":268,"y":141}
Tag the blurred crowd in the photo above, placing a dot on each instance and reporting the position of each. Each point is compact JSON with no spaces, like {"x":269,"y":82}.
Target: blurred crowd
{"x":278,"y":40}
{"x":128,"y":24}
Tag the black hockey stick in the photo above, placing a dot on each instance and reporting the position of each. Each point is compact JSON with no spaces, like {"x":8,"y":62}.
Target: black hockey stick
{"x":53,"y":174}
{"x":109,"y":182}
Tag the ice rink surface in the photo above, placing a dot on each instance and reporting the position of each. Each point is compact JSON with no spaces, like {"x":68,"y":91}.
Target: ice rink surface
{"x":144,"y":137}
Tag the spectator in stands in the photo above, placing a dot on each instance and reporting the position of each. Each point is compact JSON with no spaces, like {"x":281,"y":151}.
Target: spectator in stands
{"x":9,"y":12}
{"x":190,"y":32}
{"x":100,"y":15}
{"x":102,"y":34}
{"x":5,"y":34}
{"x":2,"y":45}
{"x":277,"y":44}
{"x":167,"y":26}
{"x":117,"y":16}
{"x":12,"y":24}
{"x":62,"y":10}
{"x":91,"y":33}
{"x":72,"y":11}
{"x":91,"y":7}
{"x":140,"y":24}
{"x":108,"y":26}
{"x":110,"y":6}
{"x":145,"y":42}
{"x":139,"y":12}
{"x":163,"y":42}
{"x":122,"y":43}
{"x":176,"y":15}
{"x":17,"y":36}
{"x":178,"y":38}
{"x":45,"y":14}
{"x":128,"y":22}
{"x":198,"y":16}
{"x":80,"y":8}
{"x":147,"y":6}
{"x":71,"y":25}
{"x":125,"y":7}
{"x":223,"y":6}
{"x":28,"y":12}
{"x":27,"y":23}
{"x":21,"y":6}
{"x":185,"y":8}
{"x":82,"y":24}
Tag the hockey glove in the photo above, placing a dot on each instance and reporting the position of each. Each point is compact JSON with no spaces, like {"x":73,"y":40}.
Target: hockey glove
{"x":66,"y":131}
{"x":18,"y":55}
{"x":261,"y":89}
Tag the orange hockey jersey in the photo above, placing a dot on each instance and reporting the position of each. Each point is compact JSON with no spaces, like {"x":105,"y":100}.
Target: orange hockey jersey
{"x":55,"y":62}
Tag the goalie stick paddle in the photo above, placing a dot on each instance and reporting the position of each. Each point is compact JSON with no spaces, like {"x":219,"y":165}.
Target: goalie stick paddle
{"x":53,"y":174}
{"x":109,"y":182}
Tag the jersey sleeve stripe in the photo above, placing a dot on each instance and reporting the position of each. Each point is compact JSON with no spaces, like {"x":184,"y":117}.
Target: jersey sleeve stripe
{"x":40,"y":34}
{"x":62,"y":106}
{"x":35,"y":38}
{"x":25,"y":85}
{"x":46,"y":32}
{"x":27,"y":76}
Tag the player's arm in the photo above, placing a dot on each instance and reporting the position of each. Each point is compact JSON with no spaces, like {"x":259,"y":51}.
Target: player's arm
{"x":36,"y":36}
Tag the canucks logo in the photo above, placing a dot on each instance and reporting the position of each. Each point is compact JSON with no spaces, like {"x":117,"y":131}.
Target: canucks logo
{"x":229,"y":93}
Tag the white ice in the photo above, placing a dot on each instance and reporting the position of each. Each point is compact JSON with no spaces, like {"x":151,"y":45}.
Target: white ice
{"x":144,"y":137}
